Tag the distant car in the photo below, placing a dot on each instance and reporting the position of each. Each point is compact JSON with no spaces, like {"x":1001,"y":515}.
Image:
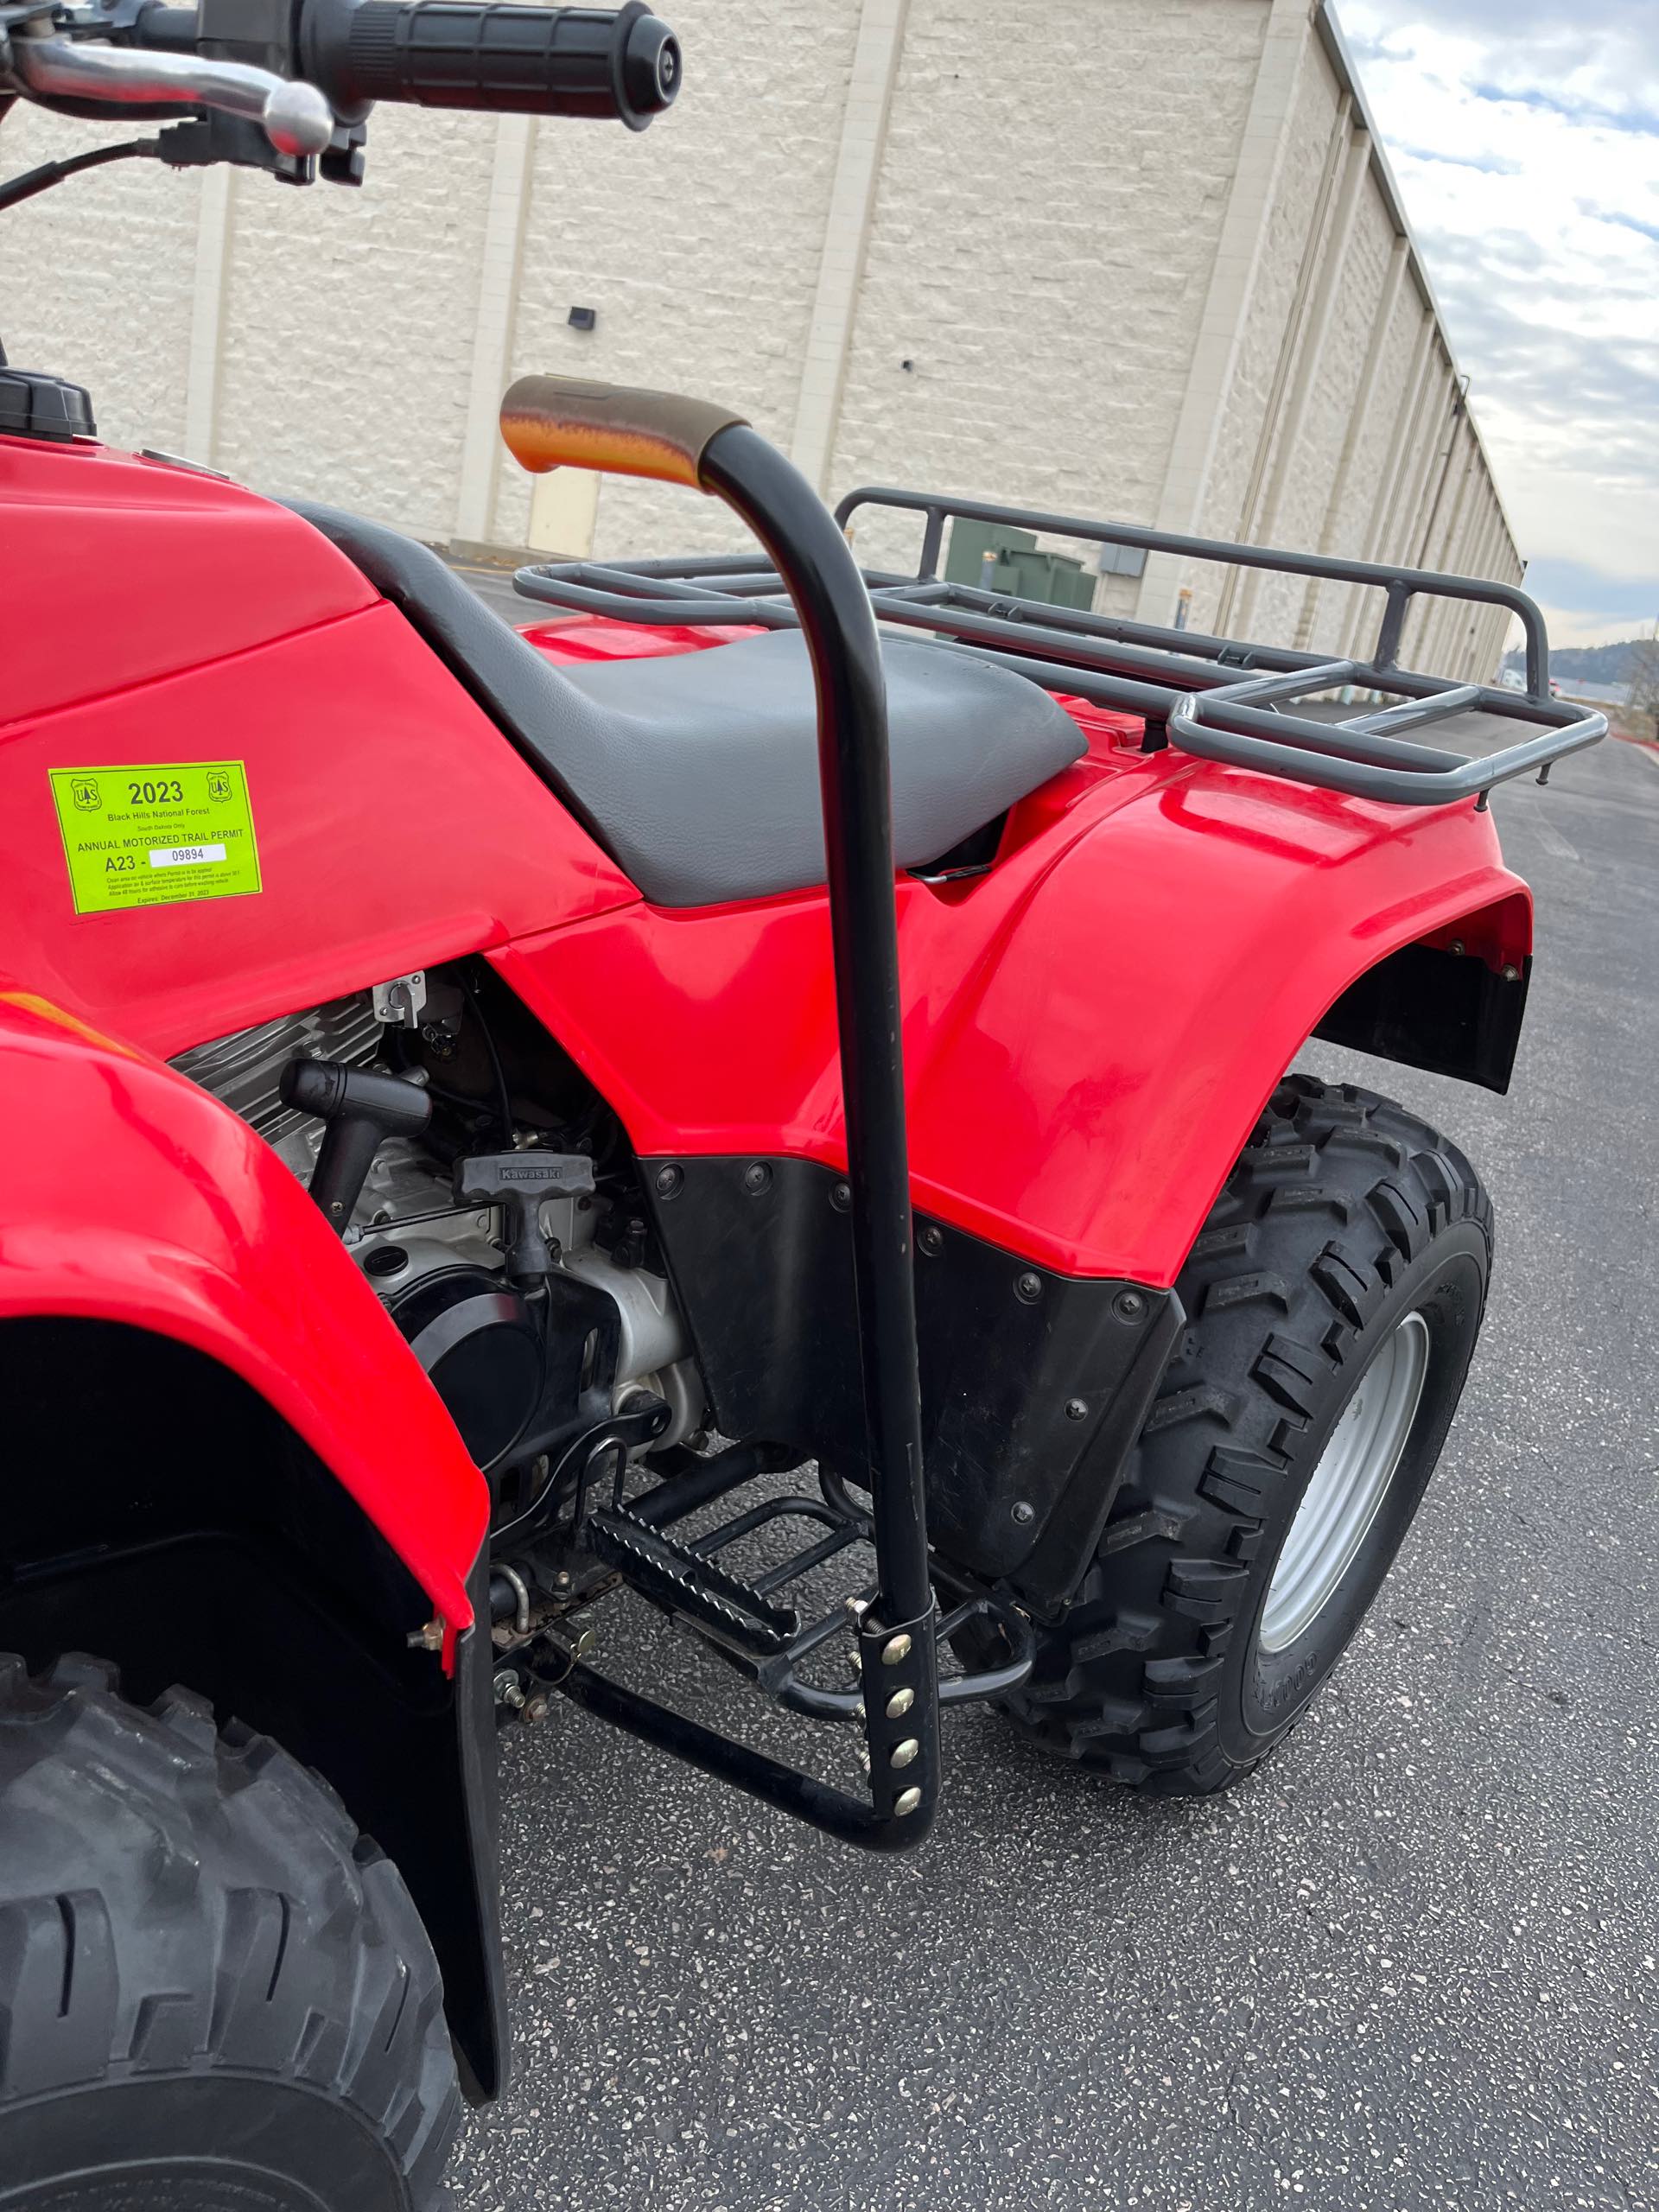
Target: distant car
{"x":1511,"y":679}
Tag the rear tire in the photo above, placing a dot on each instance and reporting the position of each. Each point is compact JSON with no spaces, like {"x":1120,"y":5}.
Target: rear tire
{"x":213,"y":1991}
{"x":1351,"y":1242}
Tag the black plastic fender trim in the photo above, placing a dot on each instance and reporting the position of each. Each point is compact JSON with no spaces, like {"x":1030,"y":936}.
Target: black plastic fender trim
{"x":1034,"y":1385}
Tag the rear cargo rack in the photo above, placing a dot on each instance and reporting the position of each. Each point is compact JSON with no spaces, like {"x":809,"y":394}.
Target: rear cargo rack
{"x":1222,"y":698}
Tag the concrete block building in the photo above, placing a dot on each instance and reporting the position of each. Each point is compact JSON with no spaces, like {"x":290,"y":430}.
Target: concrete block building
{"x":1138,"y":259}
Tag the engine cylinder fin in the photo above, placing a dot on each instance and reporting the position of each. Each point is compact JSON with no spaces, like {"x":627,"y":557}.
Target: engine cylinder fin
{"x":243,"y":1071}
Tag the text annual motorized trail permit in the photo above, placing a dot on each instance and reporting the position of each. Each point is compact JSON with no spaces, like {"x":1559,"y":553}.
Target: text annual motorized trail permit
{"x":156,"y":835}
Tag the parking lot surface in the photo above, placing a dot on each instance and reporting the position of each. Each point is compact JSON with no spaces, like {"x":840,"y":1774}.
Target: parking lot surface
{"x":1411,"y":1963}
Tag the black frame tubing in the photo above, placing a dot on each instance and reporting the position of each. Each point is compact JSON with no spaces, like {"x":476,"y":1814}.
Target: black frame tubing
{"x":816,"y":563}
{"x":896,"y":1633}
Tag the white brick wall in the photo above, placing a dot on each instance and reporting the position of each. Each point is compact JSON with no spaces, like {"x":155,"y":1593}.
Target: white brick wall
{"x":1044,"y":232}
{"x":1269,"y":324}
{"x":1131,"y":257}
{"x":97,"y":278}
{"x":348,"y":324}
{"x":698,"y":244}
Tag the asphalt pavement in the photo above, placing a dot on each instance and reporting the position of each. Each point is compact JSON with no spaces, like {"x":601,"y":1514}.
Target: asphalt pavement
{"x":1413,"y":1964}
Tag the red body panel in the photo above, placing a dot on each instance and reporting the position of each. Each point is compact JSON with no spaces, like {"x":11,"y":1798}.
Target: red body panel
{"x":395,"y":826}
{"x":1090,"y":1030}
{"x":182,"y":569}
{"x":131,"y":1196}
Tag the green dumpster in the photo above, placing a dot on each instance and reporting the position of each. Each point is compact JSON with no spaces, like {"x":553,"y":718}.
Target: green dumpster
{"x":996,"y":556}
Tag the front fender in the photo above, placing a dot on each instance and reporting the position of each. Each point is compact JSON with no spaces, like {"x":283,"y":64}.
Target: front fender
{"x":128,"y":1194}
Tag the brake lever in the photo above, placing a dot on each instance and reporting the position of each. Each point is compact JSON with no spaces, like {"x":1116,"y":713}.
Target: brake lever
{"x":294,"y":116}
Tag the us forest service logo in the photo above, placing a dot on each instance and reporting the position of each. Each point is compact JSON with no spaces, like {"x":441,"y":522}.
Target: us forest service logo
{"x":219,"y":785}
{"x":86,"y":795}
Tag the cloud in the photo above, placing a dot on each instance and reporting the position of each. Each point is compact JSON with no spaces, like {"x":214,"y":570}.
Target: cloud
{"x":1489,"y":165}
{"x":1526,"y":140}
{"x":1591,"y":595}
{"x":1581,"y":111}
{"x":1600,"y":52}
{"x":1628,"y":222}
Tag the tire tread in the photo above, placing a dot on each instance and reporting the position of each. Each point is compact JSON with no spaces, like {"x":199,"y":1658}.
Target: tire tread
{"x":260,"y":1934}
{"x":1336,"y":1191}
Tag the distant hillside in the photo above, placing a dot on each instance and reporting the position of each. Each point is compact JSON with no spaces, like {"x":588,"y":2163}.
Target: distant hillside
{"x":1586,"y":663}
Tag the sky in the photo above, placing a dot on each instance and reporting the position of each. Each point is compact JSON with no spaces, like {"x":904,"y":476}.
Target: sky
{"x":1525,"y":137}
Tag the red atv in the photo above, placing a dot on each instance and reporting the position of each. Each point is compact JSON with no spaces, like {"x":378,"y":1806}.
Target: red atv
{"x":454,"y":1141}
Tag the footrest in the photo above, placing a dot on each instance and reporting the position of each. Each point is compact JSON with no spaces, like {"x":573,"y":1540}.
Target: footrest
{"x":686,"y":1583}
{"x":895,"y":1693}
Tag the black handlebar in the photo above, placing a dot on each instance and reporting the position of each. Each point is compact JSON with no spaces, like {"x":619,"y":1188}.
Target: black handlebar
{"x":619,"y":64}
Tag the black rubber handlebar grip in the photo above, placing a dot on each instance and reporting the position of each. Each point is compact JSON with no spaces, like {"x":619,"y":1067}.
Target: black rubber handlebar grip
{"x":619,"y":64}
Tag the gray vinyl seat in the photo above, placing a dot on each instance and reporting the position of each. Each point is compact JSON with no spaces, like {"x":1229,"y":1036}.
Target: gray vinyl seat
{"x":698,"y":773}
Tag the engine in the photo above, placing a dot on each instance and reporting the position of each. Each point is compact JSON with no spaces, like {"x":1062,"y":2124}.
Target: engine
{"x":520,"y":1374}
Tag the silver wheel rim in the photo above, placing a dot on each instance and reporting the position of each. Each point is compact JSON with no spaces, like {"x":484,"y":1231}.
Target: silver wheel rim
{"x":1347,"y":1486}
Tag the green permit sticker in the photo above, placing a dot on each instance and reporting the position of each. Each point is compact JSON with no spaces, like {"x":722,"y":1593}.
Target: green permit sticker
{"x":156,"y":836}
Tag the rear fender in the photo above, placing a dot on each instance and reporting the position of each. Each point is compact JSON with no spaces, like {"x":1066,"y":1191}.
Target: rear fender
{"x":1452,"y":1002}
{"x":1166,"y":971}
{"x":1092,"y":1029}
{"x":128,"y":1195}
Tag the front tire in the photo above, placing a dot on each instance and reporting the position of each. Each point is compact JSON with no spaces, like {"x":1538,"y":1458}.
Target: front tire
{"x":213,"y":1991}
{"x":1334,"y":1296}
